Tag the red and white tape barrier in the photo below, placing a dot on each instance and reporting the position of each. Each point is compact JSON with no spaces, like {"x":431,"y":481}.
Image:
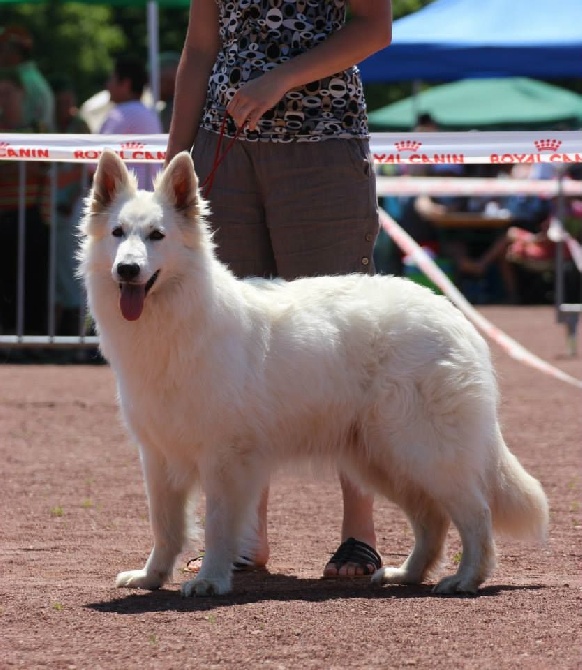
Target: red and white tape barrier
{"x":403,"y":186}
{"x":437,"y":276}
{"x":442,"y":148}
{"x":387,"y":148}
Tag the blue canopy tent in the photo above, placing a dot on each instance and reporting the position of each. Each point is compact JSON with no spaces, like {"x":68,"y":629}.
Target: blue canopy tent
{"x":457,"y":39}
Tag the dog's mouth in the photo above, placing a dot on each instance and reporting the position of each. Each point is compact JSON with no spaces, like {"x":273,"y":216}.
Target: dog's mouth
{"x":132,"y":297}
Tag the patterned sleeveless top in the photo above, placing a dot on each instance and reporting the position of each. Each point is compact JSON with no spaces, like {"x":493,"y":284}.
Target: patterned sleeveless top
{"x":259,"y":34}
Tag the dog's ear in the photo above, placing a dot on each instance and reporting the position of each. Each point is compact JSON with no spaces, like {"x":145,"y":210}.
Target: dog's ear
{"x":179,"y":185}
{"x":110,"y":178}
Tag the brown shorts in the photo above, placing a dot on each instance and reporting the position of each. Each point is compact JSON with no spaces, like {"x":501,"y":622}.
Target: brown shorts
{"x":291,"y":210}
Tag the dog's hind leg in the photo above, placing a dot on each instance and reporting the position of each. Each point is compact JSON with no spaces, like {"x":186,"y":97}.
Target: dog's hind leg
{"x":430,"y":524}
{"x":472,"y":517}
{"x":167,"y":507}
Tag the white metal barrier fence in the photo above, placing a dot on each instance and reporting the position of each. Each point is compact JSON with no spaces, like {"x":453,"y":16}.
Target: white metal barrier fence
{"x":562,"y":148}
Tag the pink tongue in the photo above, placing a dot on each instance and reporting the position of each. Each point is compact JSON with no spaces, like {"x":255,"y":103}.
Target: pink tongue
{"x":131,"y":301}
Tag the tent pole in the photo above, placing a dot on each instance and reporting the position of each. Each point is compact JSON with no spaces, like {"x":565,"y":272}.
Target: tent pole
{"x":153,"y":50}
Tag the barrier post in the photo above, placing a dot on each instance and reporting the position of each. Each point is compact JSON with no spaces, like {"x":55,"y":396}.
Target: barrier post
{"x":566,"y":314}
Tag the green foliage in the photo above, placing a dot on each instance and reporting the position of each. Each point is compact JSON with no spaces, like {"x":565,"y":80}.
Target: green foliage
{"x":402,"y":8}
{"x":80,"y":43}
{"x":85,"y":38}
{"x":379,"y":95}
{"x":133,"y":23}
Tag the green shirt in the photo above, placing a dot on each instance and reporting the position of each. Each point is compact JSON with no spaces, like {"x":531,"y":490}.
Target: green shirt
{"x":39,"y":101}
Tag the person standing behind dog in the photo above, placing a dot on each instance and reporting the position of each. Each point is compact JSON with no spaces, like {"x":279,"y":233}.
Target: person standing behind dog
{"x":130,"y":116}
{"x":274,"y":85}
{"x":16,"y":51}
{"x":36,"y":239}
{"x":69,"y":202}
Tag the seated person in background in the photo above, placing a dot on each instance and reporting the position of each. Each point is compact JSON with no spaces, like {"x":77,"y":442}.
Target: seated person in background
{"x":417,"y":215}
{"x":12,"y":119}
{"x":425,"y":123}
{"x":573,"y":215}
{"x":530,"y":217}
{"x":536,"y":249}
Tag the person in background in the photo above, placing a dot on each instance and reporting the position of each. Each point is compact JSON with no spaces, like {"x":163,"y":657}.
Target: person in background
{"x":16,"y":49}
{"x":296,"y":193}
{"x":70,"y":188}
{"x":417,"y":216}
{"x":425,"y":123}
{"x":13,"y":120}
{"x":413,"y":213}
{"x":130,"y":116}
{"x":530,"y":218}
{"x":168,"y":67}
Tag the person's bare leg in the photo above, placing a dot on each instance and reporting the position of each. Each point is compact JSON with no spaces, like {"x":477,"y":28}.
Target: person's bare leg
{"x":478,"y":266}
{"x":495,"y":252}
{"x":254,"y":547}
{"x":260,"y":550}
{"x":507,"y":271}
{"x":358,"y":522}
{"x":254,"y":552}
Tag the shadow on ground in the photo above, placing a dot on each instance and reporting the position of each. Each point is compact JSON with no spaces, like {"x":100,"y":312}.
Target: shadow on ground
{"x":268,"y":587}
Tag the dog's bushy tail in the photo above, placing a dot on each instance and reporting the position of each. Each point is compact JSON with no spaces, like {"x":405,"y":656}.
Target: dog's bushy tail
{"x":519,"y":505}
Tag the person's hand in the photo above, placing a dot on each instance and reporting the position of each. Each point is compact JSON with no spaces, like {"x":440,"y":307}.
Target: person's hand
{"x":254,"y":98}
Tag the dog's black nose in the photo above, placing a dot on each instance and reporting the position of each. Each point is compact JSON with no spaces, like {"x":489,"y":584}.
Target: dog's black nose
{"x":127,"y":271}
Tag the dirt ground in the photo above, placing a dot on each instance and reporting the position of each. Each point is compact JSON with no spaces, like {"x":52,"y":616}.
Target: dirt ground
{"x":74,"y":514}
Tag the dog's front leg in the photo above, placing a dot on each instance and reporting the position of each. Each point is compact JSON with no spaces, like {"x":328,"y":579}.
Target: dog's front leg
{"x":227,"y":503}
{"x":167,"y":507}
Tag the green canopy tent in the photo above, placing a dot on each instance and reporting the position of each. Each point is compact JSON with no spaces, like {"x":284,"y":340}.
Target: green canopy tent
{"x":152,"y":23}
{"x":512,"y":103}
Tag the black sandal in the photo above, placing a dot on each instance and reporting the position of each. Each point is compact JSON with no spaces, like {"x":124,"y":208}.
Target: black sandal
{"x":242,"y":564}
{"x":358,"y":553}
{"x":246,"y":564}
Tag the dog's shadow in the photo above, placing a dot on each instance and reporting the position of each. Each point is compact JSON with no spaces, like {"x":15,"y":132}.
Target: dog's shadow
{"x":263,"y":586}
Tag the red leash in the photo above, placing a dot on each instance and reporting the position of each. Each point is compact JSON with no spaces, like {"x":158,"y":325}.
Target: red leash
{"x":207,"y":183}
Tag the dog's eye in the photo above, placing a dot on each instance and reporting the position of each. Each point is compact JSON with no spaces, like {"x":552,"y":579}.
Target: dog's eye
{"x":156,"y":235}
{"x":117,"y":231}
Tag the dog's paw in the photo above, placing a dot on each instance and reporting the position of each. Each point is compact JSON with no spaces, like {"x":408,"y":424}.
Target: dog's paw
{"x":456,"y":585}
{"x":139,"y":579}
{"x":205,"y":587}
{"x":394,"y":576}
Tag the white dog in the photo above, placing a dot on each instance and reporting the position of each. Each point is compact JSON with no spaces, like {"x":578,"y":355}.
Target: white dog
{"x":221,"y":381}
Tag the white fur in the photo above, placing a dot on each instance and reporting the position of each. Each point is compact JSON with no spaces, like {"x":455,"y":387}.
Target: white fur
{"x":221,"y":381}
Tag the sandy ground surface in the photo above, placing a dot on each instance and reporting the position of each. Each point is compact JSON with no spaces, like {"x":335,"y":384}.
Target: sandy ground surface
{"x":74,"y":514}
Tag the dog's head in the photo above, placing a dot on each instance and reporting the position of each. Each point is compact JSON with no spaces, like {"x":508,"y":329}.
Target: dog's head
{"x":140,"y":239}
